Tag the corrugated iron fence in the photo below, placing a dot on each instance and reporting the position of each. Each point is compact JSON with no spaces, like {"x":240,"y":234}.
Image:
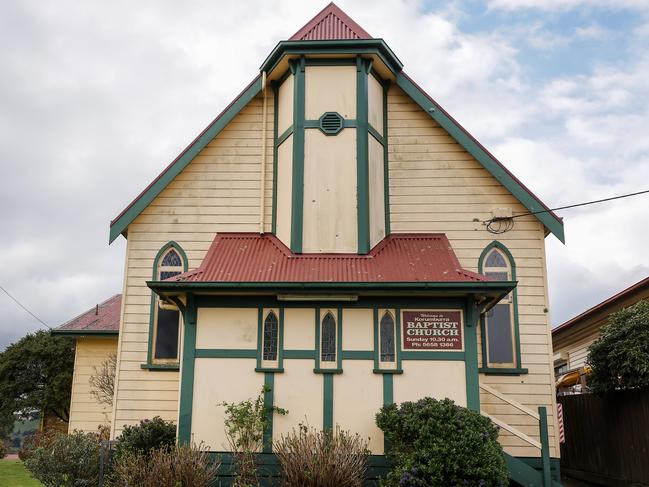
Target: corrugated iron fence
{"x":607,"y":437}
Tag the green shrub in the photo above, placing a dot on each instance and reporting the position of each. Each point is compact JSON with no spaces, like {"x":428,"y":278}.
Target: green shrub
{"x":149,"y":435}
{"x":310,"y":458}
{"x":178,"y":466}
{"x":35,"y":440}
{"x":619,"y":358}
{"x":437,"y":443}
{"x":66,"y":460}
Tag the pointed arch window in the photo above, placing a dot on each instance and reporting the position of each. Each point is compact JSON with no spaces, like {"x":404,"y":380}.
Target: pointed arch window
{"x":271,"y":337}
{"x":499,"y":325}
{"x":387,"y":336}
{"x":166,"y":319}
{"x":328,"y":339}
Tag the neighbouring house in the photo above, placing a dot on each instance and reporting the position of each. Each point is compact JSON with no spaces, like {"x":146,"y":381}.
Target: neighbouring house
{"x":95,"y":333}
{"x":571,"y":340}
{"x":325,"y":236}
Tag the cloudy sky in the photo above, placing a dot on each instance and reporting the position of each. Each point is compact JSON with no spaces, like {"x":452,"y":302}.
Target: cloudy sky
{"x":97,"y":97}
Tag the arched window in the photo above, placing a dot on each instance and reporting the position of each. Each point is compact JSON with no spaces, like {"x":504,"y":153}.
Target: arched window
{"x":387,"y":338}
{"x":166,"y":319}
{"x":328,"y":340}
{"x":499,"y":328}
{"x":271,"y":336}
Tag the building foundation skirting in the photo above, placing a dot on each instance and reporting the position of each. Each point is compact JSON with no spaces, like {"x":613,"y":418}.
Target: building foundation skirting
{"x":378,"y":466}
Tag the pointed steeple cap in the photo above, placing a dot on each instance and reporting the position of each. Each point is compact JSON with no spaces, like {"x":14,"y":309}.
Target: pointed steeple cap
{"x":330,"y":23}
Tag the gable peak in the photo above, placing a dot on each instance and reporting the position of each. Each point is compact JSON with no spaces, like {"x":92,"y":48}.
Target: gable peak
{"x":329,"y":24}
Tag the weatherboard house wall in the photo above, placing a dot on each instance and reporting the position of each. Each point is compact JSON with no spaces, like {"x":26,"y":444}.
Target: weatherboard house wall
{"x":331,"y":194}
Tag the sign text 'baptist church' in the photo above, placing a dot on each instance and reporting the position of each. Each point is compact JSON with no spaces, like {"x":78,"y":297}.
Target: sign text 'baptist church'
{"x":432,"y":330}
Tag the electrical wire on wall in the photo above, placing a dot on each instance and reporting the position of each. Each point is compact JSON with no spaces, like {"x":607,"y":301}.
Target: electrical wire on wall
{"x":502,"y":224}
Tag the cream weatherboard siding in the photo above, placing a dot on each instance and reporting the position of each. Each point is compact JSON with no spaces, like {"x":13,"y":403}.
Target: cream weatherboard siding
{"x":217,"y":192}
{"x":86,"y":413}
{"x":436,"y":186}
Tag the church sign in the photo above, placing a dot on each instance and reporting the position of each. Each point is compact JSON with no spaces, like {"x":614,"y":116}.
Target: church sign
{"x":432,"y":330}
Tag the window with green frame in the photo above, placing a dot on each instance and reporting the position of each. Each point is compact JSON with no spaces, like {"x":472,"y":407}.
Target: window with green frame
{"x":499,"y":326}
{"x":165,"y":319}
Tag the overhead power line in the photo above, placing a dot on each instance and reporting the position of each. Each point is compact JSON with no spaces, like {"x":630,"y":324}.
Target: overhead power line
{"x":24,"y":307}
{"x":504,"y":224}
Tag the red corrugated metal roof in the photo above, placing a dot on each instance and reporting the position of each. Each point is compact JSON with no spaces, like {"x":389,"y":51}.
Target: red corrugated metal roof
{"x":250,"y":257}
{"x":102,"y":317}
{"x":331,"y":23}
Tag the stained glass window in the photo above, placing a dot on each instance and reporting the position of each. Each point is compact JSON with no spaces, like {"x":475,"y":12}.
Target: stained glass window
{"x":387,"y":338}
{"x":171,"y":259}
{"x":499,"y":321}
{"x":328,"y":341}
{"x":167,"y":321}
{"x":271,"y":335}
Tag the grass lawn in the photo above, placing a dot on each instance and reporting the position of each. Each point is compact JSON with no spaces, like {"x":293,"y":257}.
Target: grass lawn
{"x":13,"y":473}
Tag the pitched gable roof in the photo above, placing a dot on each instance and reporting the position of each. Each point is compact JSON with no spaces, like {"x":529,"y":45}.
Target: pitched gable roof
{"x":102,"y":319}
{"x":329,"y":24}
{"x":333,"y":24}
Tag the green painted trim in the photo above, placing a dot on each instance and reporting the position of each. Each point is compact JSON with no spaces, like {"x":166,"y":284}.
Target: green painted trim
{"x":86,"y":333}
{"x":297,"y":194}
{"x":377,"y":47}
{"x":357,"y":355}
{"x":278,"y":287}
{"x":397,"y":317}
{"x":121,"y":223}
{"x":320,"y":370}
{"x":517,"y":334}
{"x":260,"y":334}
{"x":331,"y":62}
{"x":388,"y":398}
{"x":497,"y":170}
{"x":156,"y":263}
{"x":388,"y":371}
{"x":471,"y":356}
{"x":537,"y":463}
{"x":279,"y":370}
{"x":269,"y":383}
{"x":287,"y":133}
{"x":428,"y":355}
{"x":375,"y":133}
{"x":226,"y":353}
{"x":362,"y":158}
{"x":275,"y":86}
{"x":161,"y":367}
{"x":386,"y":164}
{"x":503,"y":371}
{"x":545,"y":446}
{"x":299,"y":354}
{"x":187,"y":373}
{"x":317,"y":339}
{"x":375,"y":328}
{"x":339,"y":339}
{"x":328,"y":402}
{"x":280,"y":347}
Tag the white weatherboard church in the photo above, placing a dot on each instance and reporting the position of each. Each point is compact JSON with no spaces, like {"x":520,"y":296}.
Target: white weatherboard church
{"x":324,"y":236}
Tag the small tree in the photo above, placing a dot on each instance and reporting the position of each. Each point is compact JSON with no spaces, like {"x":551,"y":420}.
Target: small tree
{"x":102,"y":381}
{"x":245,"y":423}
{"x":619,"y":358}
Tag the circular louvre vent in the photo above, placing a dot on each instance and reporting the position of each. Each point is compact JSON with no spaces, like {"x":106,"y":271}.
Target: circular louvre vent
{"x":331,"y":123}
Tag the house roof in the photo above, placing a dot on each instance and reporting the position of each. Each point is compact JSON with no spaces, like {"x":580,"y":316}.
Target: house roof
{"x":332,"y":24}
{"x":101,"y":319}
{"x":329,"y":24}
{"x":639,"y":286}
{"x":250,"y":257}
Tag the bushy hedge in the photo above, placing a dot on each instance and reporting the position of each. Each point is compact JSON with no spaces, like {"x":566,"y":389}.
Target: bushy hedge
{"x":66,"y":460}
{"x":149,"y":435}
{"x":437,"y":443}
{"x":3,"y":449}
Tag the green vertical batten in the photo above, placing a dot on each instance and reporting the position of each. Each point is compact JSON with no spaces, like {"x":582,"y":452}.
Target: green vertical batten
{"x":388,"y":398}
{"x":317,"y":338}
{"x":269,"y":386}
{"x":375,"y":318}
{"x":397,"y":338}
{"x":471,"y":356}
{"x":297,"y":210}
{"x":280,"y":348}
{"x":328,"y":402}
{"x":362,"y":162}
{"x":187,"y":375}
{"x":260,"y":334}
{"x":275,"y":87}
{"x":545,"y":446}
{"x":339,"y":339}
{"x":386,"y":171}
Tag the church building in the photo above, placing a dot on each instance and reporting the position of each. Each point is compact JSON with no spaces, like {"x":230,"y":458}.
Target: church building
{"x":336,"y":235}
